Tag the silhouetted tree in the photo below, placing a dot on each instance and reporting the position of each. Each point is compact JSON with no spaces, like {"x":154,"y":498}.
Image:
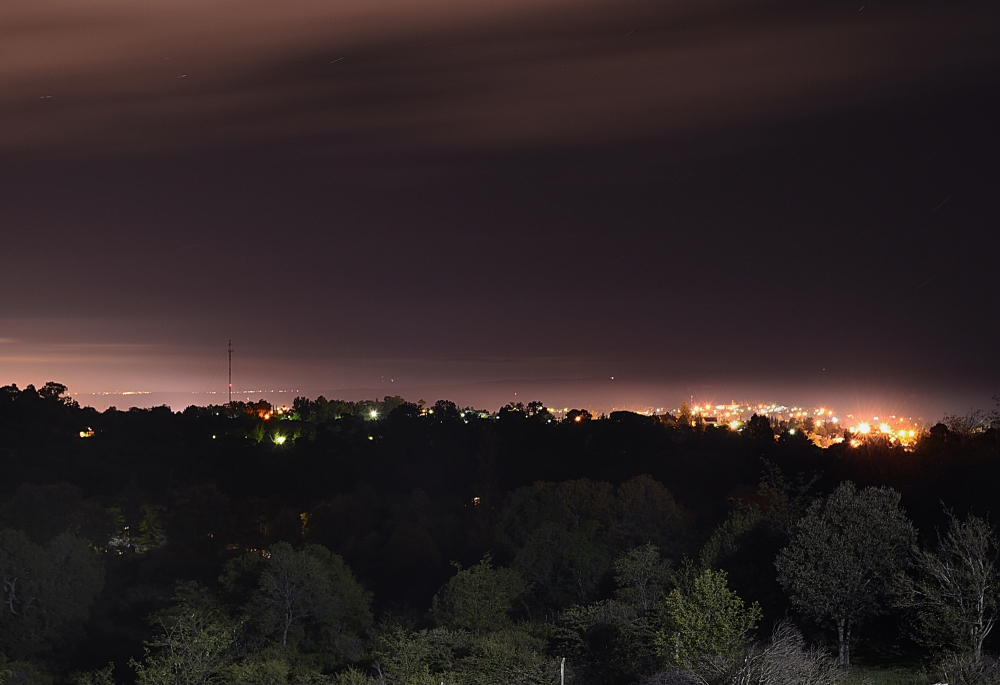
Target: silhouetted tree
{"x":956,"y":591}
{"x":45,"y":592}
{"x":194,"y":644}
{"x":842,"y":562}
{"x":298,"y":589}
{"x":759,"y":428}
{"x":479,"y":598}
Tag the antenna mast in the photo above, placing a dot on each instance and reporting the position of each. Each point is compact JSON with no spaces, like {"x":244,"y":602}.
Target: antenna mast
{"x":230,"y":372}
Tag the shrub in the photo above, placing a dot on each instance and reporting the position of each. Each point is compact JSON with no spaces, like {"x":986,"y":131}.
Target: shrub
{"x":970,"y":670}
{"x":785,"y":661}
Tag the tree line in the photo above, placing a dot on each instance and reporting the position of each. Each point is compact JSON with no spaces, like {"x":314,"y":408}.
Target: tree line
{"x":390,"y":542}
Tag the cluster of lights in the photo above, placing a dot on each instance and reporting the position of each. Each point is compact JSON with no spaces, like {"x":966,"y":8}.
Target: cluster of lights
{"x":824,"y":427}
{"x":267,"y":414}
{"x":116,"y":392}
{"x":903,"y":432}
{"x":735,"y":414}
{"x":465,"y":414}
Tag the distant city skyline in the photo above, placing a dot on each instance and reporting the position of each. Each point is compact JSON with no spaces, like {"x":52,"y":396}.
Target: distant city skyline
{"x":592,"y":394}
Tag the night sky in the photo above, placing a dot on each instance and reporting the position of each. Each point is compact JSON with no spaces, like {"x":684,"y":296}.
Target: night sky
{"x":724,"y":199}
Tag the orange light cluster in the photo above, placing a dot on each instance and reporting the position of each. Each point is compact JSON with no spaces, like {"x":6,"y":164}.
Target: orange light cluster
{"x":895,"y":429}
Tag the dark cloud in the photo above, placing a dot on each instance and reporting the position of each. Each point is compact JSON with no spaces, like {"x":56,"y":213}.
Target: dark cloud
{"x":165,"y":75}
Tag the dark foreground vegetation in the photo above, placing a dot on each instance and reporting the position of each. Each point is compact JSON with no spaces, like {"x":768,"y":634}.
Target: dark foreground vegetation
{"x":389,"y":543}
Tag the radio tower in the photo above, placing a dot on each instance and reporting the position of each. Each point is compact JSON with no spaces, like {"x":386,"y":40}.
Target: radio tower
{"x":230,"y":373}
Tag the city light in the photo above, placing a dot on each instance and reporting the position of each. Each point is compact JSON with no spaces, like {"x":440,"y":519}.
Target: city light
{"x":820,"y":424}
{"x":278,"y":439}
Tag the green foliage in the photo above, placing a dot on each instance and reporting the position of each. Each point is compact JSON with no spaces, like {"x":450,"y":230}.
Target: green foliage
{"x":323,"y":410}
{"x":564,"y":565}
{"x":311,"y":677}
{"x":257,"y":433}
{"x":293,"y":591}
{"x":45,"y":511}
{"x":779,"y":505}
{"x":606,"y":641}
{"x":479,"y":598}
{"x":645,"y":512}
{"x":353,"y":676}
{"x":757,"y":528}
{"x":638,"y":511}
{"x":956,"y":591}
{"x":428,"y":657}
{"x":969,"y":669}
{"x":614,"y":640}
{"x":46,"y":591}
{"x":101,"y":676}
{"x":784,"y":661}
{"x":843,"y":560}
{"x":565,"y":535}
{"x":783,"y":501}
{"x":255,"y":672}
{"x":412,"y":658}
{"x":195,"y":644}
{"x":150,"y":533}
{"x":241,"y":577}
{"x":642,"y":577}
{"x":506,"y":656}
{"x":704,"y":618}
{"x":727,"y":538}
{"x":22,"y":673}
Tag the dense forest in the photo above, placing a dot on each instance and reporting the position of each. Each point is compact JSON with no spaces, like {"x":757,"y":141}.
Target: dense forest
{"x":393,"y":543}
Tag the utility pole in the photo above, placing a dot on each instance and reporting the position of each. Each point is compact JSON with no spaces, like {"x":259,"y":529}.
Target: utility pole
{"x":230,"y":373}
